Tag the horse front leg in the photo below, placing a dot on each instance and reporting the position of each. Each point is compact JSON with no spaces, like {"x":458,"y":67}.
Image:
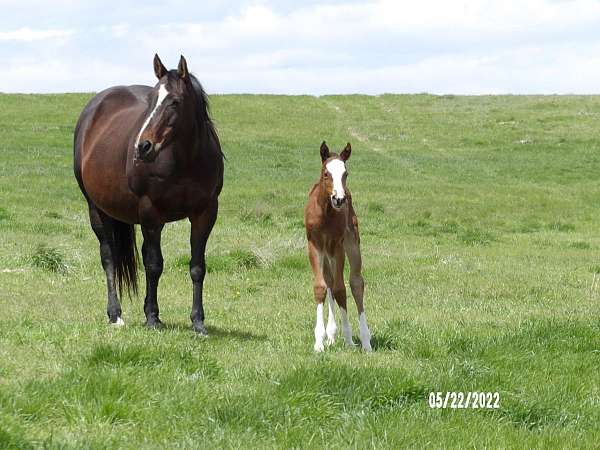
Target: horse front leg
{"x":331,"y":328}
{"x":339,"y":293}
{"x":357,"y":285}
{"x":153,"y":263}
{"x":202,"y":225}
{"x":316,"y":259}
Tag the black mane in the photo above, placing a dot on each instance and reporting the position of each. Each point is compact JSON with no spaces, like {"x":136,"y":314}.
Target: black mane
{"x":203,"y":119}
{"x":205,"y":122}
{"x":202,"y":98}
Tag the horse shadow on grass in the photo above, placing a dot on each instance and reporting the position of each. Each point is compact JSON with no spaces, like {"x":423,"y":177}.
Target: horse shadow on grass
{"x":381,"y":342}
{"x":215,"y":332}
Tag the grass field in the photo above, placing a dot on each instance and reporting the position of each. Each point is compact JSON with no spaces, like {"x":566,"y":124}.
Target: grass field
{"x":480,"y":221}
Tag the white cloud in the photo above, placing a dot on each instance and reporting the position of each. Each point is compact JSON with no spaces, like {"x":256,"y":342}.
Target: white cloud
{"x":475,"y":47}
{"x":27,"y":34}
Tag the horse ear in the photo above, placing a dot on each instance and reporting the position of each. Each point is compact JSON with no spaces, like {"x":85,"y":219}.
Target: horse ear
{"x":345,"y":155}
{"x":159,"y":70}
{"x":182,"y":69}
{"x":324,"y":151}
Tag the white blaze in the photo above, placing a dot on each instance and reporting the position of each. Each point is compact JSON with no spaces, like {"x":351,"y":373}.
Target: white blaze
{"x":162,"y":94}
{"x":337,"y":168}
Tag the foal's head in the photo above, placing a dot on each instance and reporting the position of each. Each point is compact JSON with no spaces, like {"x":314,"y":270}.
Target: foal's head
{"x":334,"y":174}
{"x":172,"y":111}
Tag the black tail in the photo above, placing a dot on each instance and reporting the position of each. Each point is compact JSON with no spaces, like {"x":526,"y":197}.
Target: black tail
{"x":126,"y":257}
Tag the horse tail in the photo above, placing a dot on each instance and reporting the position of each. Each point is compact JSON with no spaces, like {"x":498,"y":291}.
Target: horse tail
{"x":126,"y":257}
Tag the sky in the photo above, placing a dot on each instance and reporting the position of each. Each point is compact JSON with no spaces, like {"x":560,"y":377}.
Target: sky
{"x":307,"y":47}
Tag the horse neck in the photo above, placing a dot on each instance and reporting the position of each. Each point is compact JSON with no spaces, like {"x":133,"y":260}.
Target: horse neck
{"x":190,"y":143}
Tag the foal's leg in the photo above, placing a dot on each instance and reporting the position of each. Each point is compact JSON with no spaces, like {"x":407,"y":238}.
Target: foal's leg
{"x":319,"y":287}
{"x":102,"y":226}
{"x":202,"y":225}
{"x":331,"y":328}
{"x":153,"y":263}
{"x":357,"y":285}
{"x":339,"y":292}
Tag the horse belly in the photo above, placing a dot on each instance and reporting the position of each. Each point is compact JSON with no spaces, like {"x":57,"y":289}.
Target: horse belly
{"x":179,"y":201}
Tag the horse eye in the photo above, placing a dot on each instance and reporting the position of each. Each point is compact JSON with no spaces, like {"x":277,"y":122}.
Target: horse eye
{"x":325,"y":174}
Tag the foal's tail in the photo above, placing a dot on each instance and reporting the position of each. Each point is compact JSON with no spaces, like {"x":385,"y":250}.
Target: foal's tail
{"x":126,"y":257}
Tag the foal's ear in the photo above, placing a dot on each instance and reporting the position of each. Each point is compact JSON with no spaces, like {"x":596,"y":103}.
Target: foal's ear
{"x":182,"y":69}
{"x":159,"y":70}
{"x":345,"y":155}
{"x":324,"y":151}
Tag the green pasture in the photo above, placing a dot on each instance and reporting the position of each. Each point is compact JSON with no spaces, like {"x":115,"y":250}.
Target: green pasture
{"x":480,"y":222}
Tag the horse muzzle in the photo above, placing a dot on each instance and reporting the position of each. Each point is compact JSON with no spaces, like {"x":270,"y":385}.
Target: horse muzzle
{"x":337,"y":202}
{"x":147,"y":151}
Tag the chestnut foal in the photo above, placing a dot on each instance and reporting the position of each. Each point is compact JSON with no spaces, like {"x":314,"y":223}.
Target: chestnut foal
{"x":332,"y":232}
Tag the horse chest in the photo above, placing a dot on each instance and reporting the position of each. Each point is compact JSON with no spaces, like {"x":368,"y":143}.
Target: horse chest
{"x":327,"y":234}
{"x":331,"y":226}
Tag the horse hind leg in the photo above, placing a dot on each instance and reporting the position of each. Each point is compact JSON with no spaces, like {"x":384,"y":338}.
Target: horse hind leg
{"x":357,"y":285}
{"x":103,"y":229}
{"x":339,"y":293}
{"x":331,"y":328}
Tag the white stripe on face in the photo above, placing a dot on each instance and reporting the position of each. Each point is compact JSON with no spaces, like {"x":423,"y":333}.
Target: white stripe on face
{"x":162,"y":94}
{"x":337,"y":169}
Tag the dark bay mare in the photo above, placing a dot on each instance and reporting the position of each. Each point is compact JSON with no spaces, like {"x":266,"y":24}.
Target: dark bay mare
{"x":149,"y":155}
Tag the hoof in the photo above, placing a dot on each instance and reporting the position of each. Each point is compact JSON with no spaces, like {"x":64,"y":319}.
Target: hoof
{"x":319,"y":347}
{"x":154,"y":324}
{"x":331,"y":330}
{"x":117,"y":323}
{"x":350,"y":343}
{"x":367,"y":347}
{"x":199,"y":328}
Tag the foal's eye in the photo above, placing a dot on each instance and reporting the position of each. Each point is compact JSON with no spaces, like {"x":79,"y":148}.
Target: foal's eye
{"x":325,"y":174}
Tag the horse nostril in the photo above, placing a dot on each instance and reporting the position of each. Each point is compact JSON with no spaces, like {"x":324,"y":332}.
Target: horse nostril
{"x":144,"y":147}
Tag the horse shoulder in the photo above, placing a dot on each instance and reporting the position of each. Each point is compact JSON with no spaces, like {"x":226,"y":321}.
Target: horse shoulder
{"x":115,"y":112}
{"x":313,"y":192}
{"x":312,"y":212}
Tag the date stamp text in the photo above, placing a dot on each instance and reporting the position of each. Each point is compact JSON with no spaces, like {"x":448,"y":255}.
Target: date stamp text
{"x":464,"y":400}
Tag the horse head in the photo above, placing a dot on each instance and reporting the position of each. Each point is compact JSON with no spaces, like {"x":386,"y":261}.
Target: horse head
{"x":173,"y":106}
